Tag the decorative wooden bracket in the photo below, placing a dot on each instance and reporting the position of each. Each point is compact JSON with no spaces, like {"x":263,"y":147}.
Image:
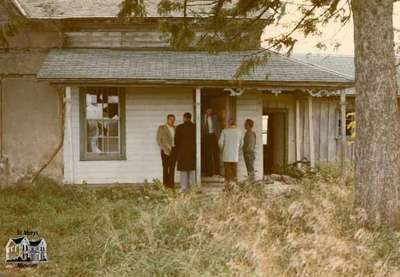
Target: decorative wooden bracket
{"x":274,"y":91}
{"x":322,"y":93}
{"x":235,"y":91}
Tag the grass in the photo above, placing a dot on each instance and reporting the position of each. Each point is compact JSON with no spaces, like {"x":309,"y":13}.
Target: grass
{"x":311,"y":231}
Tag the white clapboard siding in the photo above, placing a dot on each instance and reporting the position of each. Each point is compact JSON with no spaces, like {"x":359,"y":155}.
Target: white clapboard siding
{"x":325,"y":116}
{"x":146,"y":109}
{"x":326,"y":145}
{"x":249,"y":105}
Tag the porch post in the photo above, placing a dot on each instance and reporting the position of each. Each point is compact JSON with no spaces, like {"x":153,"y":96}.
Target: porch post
{"x":298,"y":132}
{"x":198,"y":136}
{"x":68,"y":141}
{"x":343,"y":133}
{"x":1,"y":119}
{"x":311,"y":131}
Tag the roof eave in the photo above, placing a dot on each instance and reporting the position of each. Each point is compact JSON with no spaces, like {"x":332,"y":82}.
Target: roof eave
{"x":196,"y":83}
{"x":24,"y":11}
{"x":20,"y":8}
{"x":65,"y":18}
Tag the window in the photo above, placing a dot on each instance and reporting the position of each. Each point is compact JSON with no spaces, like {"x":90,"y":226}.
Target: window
{"x":265,"y":129}
{"x":350,"y":124}
{"x":102,"y":128}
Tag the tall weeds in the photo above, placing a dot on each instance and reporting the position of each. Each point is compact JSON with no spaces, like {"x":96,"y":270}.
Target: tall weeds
{"x":312,"y":231}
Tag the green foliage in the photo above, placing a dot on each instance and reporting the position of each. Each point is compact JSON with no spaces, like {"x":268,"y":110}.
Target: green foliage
{"x":131,"y":8}
{"x":250,"y":63}
{"x":352,"y":126}
{"x":227,"y":25}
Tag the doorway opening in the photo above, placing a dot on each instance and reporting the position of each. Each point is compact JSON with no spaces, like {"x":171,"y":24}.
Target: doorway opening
{"x":274,"y":139}
{"x":222,"y":107}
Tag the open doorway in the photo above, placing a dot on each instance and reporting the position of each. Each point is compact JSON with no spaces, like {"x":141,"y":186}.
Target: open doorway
{"x":274,"y":136}
{"x":222,"y":107}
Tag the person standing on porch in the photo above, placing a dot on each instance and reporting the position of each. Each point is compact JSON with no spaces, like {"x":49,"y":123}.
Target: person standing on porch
{"x":185,"y":141}
{"x":230,"y":142}
{"x":211,"y":134}
{"x":166,"y":142}
{"x":249,"y":146}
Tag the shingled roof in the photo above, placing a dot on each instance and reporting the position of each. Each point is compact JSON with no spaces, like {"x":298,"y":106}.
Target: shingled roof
{"x":343,"y":64}
{"x":95,"y":64}
{"x":60,"y":9}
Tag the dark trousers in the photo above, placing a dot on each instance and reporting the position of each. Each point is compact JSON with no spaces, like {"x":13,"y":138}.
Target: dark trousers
{"x":230,"y":172}
{"x":168,"y":163}
{"x":211,"y":155}
{"x":249,"y":158}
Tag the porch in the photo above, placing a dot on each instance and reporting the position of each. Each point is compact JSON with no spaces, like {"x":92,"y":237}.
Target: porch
{"x":286,"y":126}
{"x":146,"y":96}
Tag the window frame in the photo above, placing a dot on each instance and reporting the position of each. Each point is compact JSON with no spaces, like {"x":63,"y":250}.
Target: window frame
{"x":87,"y":156}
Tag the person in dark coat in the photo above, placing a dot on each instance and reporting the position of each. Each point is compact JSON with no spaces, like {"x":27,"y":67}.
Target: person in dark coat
{"x":249,"y":148}
{"x":185,"y":143}
{"x":211,"y":130}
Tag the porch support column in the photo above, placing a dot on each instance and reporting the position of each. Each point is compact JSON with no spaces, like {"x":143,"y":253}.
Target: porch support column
{"x":311,"y":131}
{"x":298,"y":132}
{"x":68,"y":145}
{"x":1,"y":120}
{"x":343,"y":133}
{"x":198,"y":136}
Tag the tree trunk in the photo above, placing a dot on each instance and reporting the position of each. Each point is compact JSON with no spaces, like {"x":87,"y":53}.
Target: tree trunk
{"x":377,"y":169}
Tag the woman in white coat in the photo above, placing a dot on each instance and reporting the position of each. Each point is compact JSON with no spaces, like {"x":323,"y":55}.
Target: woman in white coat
{"x":230,"y":142}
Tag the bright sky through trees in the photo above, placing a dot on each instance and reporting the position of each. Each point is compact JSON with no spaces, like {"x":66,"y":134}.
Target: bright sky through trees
{"x":333,"y":33}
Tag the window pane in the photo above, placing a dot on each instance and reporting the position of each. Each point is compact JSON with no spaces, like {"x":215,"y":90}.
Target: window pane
{"x":113,"y":98}
{"x":111,"y":109}
{"x":111,"y":127}
{"x":103,"y":120}
{"x":94,"y":145}
{"x":94,"y":106}
{"x":94,"y":128}
{"x":94,"y":132}
{"x":111,"y":145}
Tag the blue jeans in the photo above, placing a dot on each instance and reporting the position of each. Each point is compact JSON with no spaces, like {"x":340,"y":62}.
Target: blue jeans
{"x":187,"y":178}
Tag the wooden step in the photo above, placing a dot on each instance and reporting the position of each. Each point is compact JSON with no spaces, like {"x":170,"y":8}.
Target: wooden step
{"x":213,"y":179}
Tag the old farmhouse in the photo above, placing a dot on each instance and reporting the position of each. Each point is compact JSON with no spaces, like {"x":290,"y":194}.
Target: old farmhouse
{"x":74,"y":78}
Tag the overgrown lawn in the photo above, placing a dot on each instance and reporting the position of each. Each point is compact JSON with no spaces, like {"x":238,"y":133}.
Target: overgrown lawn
{"x":311,"y":231}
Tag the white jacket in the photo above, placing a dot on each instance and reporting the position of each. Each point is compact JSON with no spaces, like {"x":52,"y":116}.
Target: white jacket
{"x":230,"y":142}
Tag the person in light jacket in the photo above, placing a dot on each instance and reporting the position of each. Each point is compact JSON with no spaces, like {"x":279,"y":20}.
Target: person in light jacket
{"x":230,"y":142}
{"x":166,"y":142}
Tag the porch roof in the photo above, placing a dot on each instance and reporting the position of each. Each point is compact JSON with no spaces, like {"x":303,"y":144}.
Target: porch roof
{"x":343,"y":64}
{"x":73,"y":65}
